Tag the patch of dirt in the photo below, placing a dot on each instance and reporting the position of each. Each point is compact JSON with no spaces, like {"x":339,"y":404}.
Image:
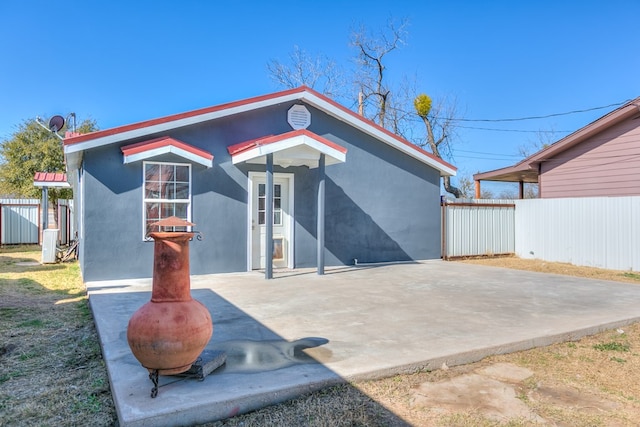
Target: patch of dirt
{"x":490,"y":391}
{"x":569,"y":397}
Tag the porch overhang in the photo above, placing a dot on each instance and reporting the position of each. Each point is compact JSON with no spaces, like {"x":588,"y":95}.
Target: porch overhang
{"x":50,"y":179}
{"x":521,"y":173}
{"x":296,"y":148}
{"x":163,"y":145}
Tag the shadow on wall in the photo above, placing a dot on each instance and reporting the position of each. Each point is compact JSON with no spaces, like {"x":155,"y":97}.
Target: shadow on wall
{"x":352,"y":233}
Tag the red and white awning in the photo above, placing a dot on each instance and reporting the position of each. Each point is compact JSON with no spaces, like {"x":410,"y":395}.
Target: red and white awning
{"x":50,"y":179}
{"x":296,"y":148}
{"x":163,"y":145}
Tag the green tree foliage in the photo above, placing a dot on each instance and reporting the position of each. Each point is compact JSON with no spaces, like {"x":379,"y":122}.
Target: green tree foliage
{"x":422,"y":103}
{"x":439,"y":128}
{"x":32,"y":149}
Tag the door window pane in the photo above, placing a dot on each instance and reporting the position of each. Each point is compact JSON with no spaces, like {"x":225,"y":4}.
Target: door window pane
{"x":277,"y":204}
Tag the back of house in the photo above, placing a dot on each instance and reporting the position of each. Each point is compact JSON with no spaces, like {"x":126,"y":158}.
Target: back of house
{"x":380,"y":198}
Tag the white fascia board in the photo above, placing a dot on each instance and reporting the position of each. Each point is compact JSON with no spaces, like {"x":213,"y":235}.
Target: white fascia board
{"x":376,"y":133}
{"x":274,"y":147}
{"x":325,"y":149}
{"x":52,"y":184}
{"x":161,"y":127}
{"x":168,"y":149}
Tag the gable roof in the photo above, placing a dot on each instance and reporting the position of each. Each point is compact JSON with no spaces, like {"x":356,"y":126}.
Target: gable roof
{"x":527,"y":169}
{"x":75,"y":145}
{"x":155,"y":147}
{"x":295,"y":148}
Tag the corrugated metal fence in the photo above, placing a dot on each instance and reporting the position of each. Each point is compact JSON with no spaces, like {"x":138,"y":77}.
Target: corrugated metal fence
{"x":65,"y":222}
{"x":599,"y":232}
{"x":472,"y":227}
{"x":21,"y":221}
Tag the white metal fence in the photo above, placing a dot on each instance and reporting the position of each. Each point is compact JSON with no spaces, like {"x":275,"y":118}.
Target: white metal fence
{"x":472,"y":227}
{"x":21,"y":221}
{"x":599,"y":232}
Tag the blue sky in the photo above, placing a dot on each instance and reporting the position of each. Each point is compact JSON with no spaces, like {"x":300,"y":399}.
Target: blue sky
{"x":121,"y":62}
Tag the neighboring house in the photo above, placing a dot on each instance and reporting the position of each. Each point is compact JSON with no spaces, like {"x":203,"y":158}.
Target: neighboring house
{"x":601,"y":159}
{"x":379,"y":193}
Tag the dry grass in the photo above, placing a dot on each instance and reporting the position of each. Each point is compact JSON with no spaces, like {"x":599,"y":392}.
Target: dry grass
{"x":557,"y":268}
{"x":52,"y":373}
{"x":51,"y":368}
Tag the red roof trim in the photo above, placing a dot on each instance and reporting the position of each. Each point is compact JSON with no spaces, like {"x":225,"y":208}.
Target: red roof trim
{"x":50,"y":177}
{"x":300,"y":90}
{"x":174,"y":117}
{"x":614,"y":117}
{"x":248,"y":145}
{"x":164,"y":141}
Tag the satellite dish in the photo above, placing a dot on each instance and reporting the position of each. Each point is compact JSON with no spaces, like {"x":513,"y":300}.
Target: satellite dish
{"x":56,"y":123}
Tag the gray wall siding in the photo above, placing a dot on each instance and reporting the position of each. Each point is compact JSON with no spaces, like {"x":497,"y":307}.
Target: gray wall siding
{"x":378,"y":202}
{"x":112,"y":243}
{"x":608,"y":164}
{"x":380,"y":205}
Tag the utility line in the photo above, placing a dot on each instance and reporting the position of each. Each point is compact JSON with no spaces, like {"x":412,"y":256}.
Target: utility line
{"x":515,"y":130}
{"x":489,"y":154}
{"x":540,"y":117}
{"x":516,"y":119}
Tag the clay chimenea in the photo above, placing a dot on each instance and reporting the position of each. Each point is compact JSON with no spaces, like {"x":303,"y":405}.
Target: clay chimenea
{"x":168,"y":333}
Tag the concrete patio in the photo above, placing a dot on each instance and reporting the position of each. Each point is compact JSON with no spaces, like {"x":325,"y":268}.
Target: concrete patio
{"x":301,"y":332}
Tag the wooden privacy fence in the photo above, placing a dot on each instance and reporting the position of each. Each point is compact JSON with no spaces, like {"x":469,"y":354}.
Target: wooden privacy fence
{"x":475,"y":227}
{"x":21,"y":221}
{"x":601,"y":232}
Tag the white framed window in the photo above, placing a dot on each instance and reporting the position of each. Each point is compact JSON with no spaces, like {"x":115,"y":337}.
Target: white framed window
{"x":166,"y":193}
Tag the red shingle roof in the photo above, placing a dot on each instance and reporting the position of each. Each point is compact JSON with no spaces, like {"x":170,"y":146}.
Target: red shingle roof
{"x":50,"y":177}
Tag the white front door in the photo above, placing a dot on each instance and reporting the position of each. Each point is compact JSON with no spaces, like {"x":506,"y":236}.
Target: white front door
{"x":282,"y":216}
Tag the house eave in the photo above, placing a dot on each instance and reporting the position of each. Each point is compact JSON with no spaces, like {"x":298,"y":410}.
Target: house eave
{"x":527,"y":170}
{"x":96,"y":139}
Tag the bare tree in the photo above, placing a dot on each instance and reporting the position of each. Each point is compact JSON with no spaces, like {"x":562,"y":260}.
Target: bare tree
{"x":389,"y":106}
{"x":317,"y":72}
{"x":467,"y":188}
{"x":370,"y":74}
{"x":543,"y":139}
{"x":439,"y":123}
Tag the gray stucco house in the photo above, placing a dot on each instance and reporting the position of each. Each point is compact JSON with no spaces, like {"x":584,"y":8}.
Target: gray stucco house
{"x":343,"y":188}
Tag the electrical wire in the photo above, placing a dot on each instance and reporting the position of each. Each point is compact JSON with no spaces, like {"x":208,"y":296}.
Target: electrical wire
{"x":515,"y":130}
{"x":516,"y":119}
{"x":541,"y":117}
{"x":488,"y":154}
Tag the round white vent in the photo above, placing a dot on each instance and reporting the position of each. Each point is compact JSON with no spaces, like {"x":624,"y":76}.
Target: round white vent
{"x":299,"y":117}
